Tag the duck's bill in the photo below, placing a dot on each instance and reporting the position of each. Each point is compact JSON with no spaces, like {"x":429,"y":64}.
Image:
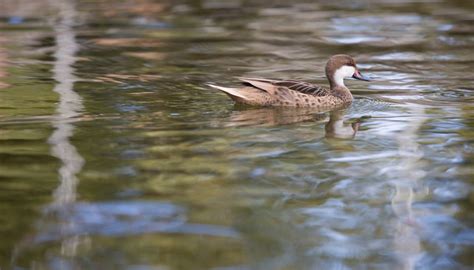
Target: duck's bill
{"x":357,"y":75}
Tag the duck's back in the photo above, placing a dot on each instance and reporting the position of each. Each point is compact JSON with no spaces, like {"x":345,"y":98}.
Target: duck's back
{"x":298,"y":86}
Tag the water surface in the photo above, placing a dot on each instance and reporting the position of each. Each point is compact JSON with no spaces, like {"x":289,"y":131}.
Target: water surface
{"x":115,"y":155}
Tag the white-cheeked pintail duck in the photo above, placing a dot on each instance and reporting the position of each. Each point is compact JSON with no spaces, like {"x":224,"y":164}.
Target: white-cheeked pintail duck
{"x":292,"y":93}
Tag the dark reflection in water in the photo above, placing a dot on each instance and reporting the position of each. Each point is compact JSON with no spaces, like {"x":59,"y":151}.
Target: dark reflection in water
{"x":334,"y":127}
{"x":115,"y":155}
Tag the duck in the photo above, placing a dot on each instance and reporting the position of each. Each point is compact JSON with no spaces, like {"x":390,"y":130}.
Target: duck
{"x":294,"y":93}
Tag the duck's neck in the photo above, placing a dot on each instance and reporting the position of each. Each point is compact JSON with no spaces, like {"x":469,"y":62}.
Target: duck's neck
{"x":336,"y":81}
{"x":338,"y":88}
{"x":342,"y":93}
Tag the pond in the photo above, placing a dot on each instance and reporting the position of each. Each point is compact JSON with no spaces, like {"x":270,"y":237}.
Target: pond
{"x":114,"y":154}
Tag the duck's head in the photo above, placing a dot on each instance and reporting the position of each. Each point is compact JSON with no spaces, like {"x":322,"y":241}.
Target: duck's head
{"x":341,"y":66}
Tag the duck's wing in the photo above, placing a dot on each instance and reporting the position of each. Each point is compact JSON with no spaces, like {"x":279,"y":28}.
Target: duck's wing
{"x":302,"y":87}
{"x":305,"y":87}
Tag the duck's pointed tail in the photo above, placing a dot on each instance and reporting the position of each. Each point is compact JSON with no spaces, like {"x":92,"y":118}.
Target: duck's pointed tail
{"x":246,"y":95}
{"x":231,"y":92}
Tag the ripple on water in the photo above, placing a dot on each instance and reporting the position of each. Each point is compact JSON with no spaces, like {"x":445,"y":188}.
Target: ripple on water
{"x":340,"y":233}
{"x":446,"y":191}
{"x":121,"y":218}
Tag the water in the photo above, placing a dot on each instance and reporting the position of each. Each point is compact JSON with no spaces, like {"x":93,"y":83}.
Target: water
{"x":115,"y":155}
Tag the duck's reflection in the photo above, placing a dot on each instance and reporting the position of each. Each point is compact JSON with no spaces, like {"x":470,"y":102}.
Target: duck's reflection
{"x":335,"y":126}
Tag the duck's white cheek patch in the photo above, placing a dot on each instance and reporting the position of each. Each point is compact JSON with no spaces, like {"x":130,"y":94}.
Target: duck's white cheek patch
{"x":343,"y":72}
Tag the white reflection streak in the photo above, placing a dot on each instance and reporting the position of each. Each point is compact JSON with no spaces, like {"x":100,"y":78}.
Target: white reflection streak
{"x":70,"y":106}
{"x":406,"y":240}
